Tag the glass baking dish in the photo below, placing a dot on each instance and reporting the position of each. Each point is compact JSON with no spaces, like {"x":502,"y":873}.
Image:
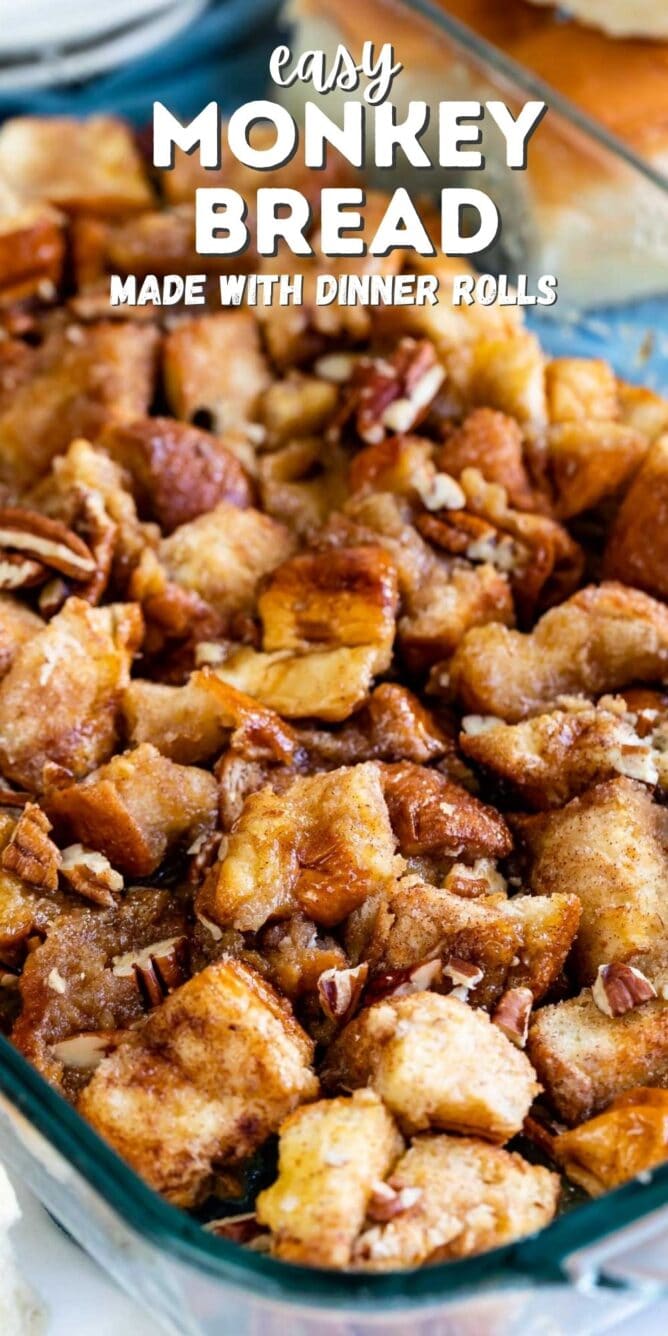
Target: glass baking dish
{"x":601,"y":1260}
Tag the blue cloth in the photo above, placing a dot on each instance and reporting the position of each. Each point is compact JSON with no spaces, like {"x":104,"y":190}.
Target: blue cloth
{"x":222,"y":55}
{"x":633,"y":337}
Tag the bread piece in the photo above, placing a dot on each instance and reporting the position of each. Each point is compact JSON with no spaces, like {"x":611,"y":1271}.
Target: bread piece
{"x":584,"y":1058}
{"x":17,"y":625}
{"x":346,"y":597}
{"x":518,"y":942}
{"x":81,"y":378}
{"x":203,"y":1083}
{"x":178,"y":472}
{"x":553,"y":757}
{"x":32,"y":247}
{"x":591,"y":461}
{"x":321,"y":846}
{"x":472,"y":1196}
{"x":605,"y":637}
{"x":59,"y":701}
{"x":222,"y":554}
{"x":437,"y":1065}
{"x":137,"y":807}
{"x":182,"y":722}
{"x":298,"y":405}
{"x":491,"y":442}
{"x":628,"y":1138}
{"x":430,"y":814}
{"x":620,"y":18}
{"x":610,"y":847}
{"x":324,"y":684}
{"x":629,"y":556}
{"x":89,"y":166}
{"x":215,"y":371}
{"x":331,"y":1155}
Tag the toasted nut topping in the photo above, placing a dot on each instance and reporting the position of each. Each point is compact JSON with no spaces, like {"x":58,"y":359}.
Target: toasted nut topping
{"x":56,"y":982}
{"x":442,"y":493}
{"x":386,"y":1202}
{"x":463,"y":975}
{"x":238,"y":1228}
{"x":33,"y":535}
{"x":619,"y":988}
{"x":391,"y":394}
{"x":86,"y":1051}
{"x":18,"y":572}
{"x":90,"y":874}
{"x":13,"y":797}
{"x":399,"y":983}
{"x":340,"y":991}
{"x":158,"y":969}
{"x":52,"y":596}
{"x":30,"y":853}
{"x":512,"y":1014}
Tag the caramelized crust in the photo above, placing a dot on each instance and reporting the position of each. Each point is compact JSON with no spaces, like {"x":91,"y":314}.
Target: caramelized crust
{"x":346,"y":597}
{"x":331,"y":1155}
{"x":320,"y":847}
{"x":178,"y":472}
{"x":203,"y":1082}
{"x":628,"y":1138}
{"x":605,"y":637}
{"x":184,"y":723}
{"x":644,"y":510}
{"x":430,"y":814}
{"x":437,"y":1064}
{"x":590,"y":461}
{"x":136,"y":808}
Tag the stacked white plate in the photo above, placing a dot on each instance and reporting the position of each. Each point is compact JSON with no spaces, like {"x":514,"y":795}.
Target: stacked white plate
{"x":45,"y":43}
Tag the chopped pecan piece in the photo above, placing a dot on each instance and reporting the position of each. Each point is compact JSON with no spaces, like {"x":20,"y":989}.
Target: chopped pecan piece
{"x":401,"y":983}
{"x":47,"y":541}
{"x":619,"y":988}
{"x":386,"y":1202}
{"x":19,"y":572}
{"x":158,"y":969}
{"x":513,"y":1013}
{"x":340,"y":991}
{"x":239,"y":1229}
{"x":90,"y":874}
{"x":30,"y":854}
{"x":391,"y":394}
{"x":86,"y":1051}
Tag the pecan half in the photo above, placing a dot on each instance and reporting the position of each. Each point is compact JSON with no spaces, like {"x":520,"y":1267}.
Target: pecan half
{"x":386,"y":1202}
{"x":340,"y":991}
{"x":90,"y":874}
{"x":30,"y":854}
{"x":512,"y":1014}
{"x":619,"y":988}
{"x":86,"y":1051}
{"x":33,"y":535}
{"x":100,"y":533}
{"x":158,"y":969}
{"x":399,"y":983}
